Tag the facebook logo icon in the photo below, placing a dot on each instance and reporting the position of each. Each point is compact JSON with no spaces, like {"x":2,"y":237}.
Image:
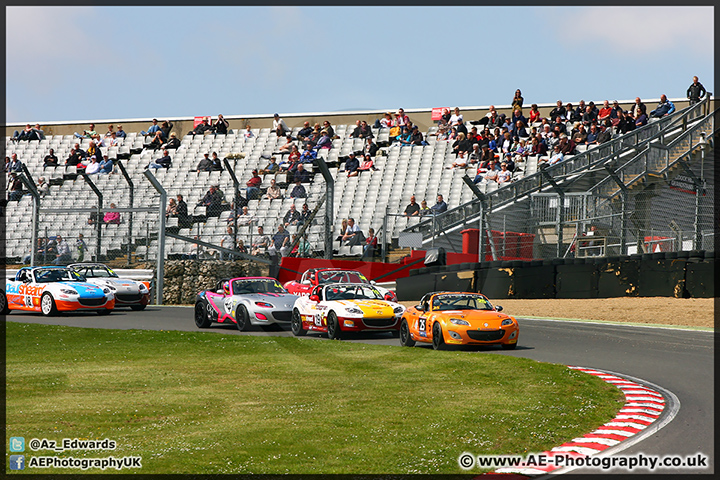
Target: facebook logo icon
{"x":17,"y":462}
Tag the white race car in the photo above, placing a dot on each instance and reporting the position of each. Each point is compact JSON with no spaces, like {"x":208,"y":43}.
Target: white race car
{"x":128,"y":293}
{"x":345,"y":307}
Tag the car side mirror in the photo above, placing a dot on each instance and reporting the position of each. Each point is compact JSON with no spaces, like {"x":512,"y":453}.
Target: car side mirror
{"x":314,"y":298}
{"x":498,"y":308}
{"x":373,"y":282}
{"x":419,"y":307}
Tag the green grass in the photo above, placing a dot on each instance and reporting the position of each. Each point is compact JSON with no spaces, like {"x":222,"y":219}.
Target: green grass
{"x":213,"y":403}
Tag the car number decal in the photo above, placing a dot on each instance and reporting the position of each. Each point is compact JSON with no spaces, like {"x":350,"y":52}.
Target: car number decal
{"x":422,"y":326}
{"x":318,"y":319}
{"x":228,"y":305}
{"x":28,"y":301}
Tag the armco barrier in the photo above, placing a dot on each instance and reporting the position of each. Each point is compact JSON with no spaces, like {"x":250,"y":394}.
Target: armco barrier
{"x":671,"y":274}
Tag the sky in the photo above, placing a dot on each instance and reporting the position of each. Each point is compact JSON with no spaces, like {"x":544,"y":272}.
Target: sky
{"x":106,"y":63}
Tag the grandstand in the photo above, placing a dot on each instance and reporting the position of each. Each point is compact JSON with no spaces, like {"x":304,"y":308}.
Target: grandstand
{"x":403,"y":172}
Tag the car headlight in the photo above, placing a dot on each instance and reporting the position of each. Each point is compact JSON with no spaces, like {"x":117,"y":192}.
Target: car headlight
{"x":68,"y":291}
{"x":507,"y":321}
{"x":354,"y":310}
{"x":111,"y":287}
{"x":142,"y":287}
{"x":398,"y":310}
{"x":459,"y":321}
{"x":264,"y":304}
{"x":106,"y":290}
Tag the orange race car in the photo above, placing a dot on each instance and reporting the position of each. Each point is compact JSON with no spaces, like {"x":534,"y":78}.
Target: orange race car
{"x":457,"y":318}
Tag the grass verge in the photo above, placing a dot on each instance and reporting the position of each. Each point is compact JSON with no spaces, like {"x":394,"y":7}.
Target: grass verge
{"x":214,"y":404}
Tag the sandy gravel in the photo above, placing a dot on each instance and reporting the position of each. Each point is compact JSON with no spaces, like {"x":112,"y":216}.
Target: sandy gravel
{"x":696,"y":312}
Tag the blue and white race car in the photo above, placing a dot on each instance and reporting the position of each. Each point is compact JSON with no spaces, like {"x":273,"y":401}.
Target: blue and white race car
{"x":128,"y":293}
{"x":50,"y":290}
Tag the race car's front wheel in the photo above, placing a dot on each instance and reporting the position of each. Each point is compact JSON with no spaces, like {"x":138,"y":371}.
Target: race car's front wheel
{"x":4,"y":309}
{"x":201,"y":317}
{"x":405,"y":338}
{"x":296,"y":324}
{"x":47,"y":305}
{"x":242,"y":320}
{"x":438,"y":340}
{"x":333,"y":326}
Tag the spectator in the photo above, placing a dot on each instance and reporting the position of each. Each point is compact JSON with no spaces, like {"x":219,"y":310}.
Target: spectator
{"x":444,"y":117}
{"x":292,"y":217}
{"x":253,"y":186}
{"x":171,"y":210}
{"x":491,"y":175}
{"x":89,"y":133}
{"x":106,"y":166}
{"x":461,"y":144}
{"x":172,"y":143}
{"x":163,"y":162}
{"x":287,"y":146}
{"x":110,"y":131}
{"x":343,"y":227}
{"x":567,"y":146}
{"x":605,"y":112}
{"x":580,"y":138}
{"x":260,"y":243}
{"x":93,"y":167}
{"x":26,"y":134}
{"x":517,"y":101}
{"x":353,"y":235}
{"x":301,"y":175}
{"x":244,"y":217}
{"x":616,"y":113}
{"x":280,"y":242}
{"x":240,"y":247}
{"x":120,"y":132}
{"x":305,"y":214}
{"x":665,"y":107}
{"x":416,"y":138}
{"x":202,"y":128}
{"x":248,"y":132}
{"x":558,"y":111}
{"x":605,"y":134}
{"x":308,"y":155}
{"x":279,"y":126}
{"x":111,"y":141}
{"x":154,"y":127}
{"x":404,"y":138}
{"x":216,"y":163}
{"x":424,"y":210}
{"x":518,"y":130}
{"x":638,"y":108}
{"x":401,"y":120}
{"x":40,"y":250}
{"x":271,"y":168}
{"x":641,"y":119}
{"x":81,"y":247}
{"x":440,"y":206}
{"x":557,"y":156}
{"x":228,"y":242}
{"x":534,"y":113}
{"x":15,"y":164}
{"x":695,"y":91}
{"x":362,"y":131}
{"x":221,"y":125}
{"x":302,"y":248}
{"x":156,"y":142}
{"x":304,"y":132}
{"x":366,"y":165}
{"x":43,"y":188}
{"x":517,"y":116}
{"x":626,"y":124}
{"x":592,"y":135}
{"x":50,"y":159}
{"x":351,"y":165}
{"x":298,"y":190}
{"x":205,"y":164}
{"x":589,"y":116}
{"x":371,"y":244}
{"x":112,"y":216}
{"x":504,"y":175}
{"x":475,"y":155}
{"x":165,"y":128}
{"x":212,"y":200}
{"x":184,"y":219}
{"x":63,"y":256}
{"x":441,"y":134}
{"x":494,"y":120}
{"x":387,"y":121}
{"x":324,"y":142}
{"x":456,"y":118}
{"x":413,"y":209}
{"x":370,"y":148}
{"x":537,"y":148}
{"x":273,"y":192}
{"x":460,"y":161}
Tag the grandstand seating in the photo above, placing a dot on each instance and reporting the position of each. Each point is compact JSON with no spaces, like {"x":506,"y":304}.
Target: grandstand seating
{"x":402,"y":172}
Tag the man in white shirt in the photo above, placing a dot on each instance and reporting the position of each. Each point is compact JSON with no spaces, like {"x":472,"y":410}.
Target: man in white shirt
{"x":279,"y":126}
{"x":93,"y":167}
{"x":353,"y":234}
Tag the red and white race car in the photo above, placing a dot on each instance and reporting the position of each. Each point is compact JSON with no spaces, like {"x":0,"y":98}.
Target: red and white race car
{"x":325,"y":276}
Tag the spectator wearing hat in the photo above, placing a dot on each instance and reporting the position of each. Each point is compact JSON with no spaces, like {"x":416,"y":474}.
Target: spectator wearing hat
{"x":351,"y":165}
{"x":385,"y":122}
{"x":287,"y":146}
{"x":93,"y":167}
{"x":253,"y":186}
{"x":173,"y":143}
{"x":279,"y":126}
{"x":416,"y":138}
{"x":324,"y":142}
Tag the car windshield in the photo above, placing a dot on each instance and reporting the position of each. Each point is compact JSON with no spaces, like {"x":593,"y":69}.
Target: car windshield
{"x":460,"y":302}
{"x":341,"y":277}
{"x":352,"y":292}
{"x":257,"y":285}
{"x":48,"y":275}
{"x":96,"y":272}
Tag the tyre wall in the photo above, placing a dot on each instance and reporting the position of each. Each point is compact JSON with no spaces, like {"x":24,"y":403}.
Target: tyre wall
{"x":671,"y":274}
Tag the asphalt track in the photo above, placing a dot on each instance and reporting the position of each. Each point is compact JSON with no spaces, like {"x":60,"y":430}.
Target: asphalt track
{"x":677,"y":360}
